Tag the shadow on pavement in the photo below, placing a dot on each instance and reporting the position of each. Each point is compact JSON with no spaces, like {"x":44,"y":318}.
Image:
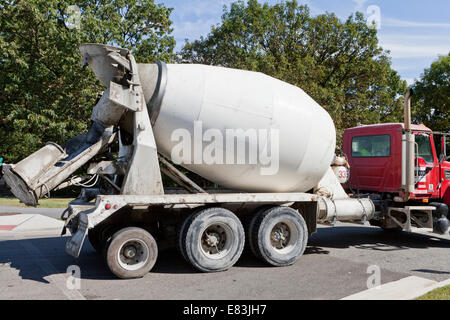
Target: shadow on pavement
{"x":315,"y":250}
{"x":38,"y":258}
{"x":431,"y":271}
{"x":363,"y":237}
{"x":170,"y":261}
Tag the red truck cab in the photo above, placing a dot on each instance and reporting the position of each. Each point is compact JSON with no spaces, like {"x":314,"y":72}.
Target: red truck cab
{"x":375,"y":156}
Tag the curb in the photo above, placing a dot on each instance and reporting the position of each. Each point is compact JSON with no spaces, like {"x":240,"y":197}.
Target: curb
{"x":408,"y":288}
{"x":28,"y":223}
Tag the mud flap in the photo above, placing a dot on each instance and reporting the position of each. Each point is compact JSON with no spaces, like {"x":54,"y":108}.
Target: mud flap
{"x":75,"y":243}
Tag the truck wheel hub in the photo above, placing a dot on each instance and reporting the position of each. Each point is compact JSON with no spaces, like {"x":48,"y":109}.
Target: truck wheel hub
{"x":129,"y":252}
{"x":280,"y":236}
{"x":212,"y":239}
{"x":216,"y":240}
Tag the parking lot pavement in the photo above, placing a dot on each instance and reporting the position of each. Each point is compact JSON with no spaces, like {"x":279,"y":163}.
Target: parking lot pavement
{"x":334,"y":266}
{"x":421,"y":253}
{"x":42,"y":269}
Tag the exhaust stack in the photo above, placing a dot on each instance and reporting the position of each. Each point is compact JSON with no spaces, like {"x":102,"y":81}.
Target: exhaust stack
{"x":408,"y":143}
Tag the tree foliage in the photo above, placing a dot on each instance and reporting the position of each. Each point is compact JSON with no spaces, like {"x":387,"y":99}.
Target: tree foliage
{"x":45,"y":95}
{"x":339,"y":63}
{"x":431,"y":100}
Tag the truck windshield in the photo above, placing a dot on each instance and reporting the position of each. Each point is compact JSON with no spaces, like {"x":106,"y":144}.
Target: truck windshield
{"x":424,"y":147}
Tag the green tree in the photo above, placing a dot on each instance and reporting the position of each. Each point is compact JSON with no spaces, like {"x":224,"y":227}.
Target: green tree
{"x":431,"y":100}
{"x":338,"y":63}
{"x":45,"y":95}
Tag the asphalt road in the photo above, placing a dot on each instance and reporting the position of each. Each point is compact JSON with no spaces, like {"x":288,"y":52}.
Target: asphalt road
{"x":34,"y":266}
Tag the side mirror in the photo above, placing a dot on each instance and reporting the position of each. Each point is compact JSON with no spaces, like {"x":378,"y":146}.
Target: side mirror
{"x":443,"y":148}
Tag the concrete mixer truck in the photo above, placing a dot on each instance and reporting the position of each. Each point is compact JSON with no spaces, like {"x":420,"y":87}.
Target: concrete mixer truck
{"x":267,"y":144}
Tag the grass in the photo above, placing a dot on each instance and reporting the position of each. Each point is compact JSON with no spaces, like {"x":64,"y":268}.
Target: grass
{"x":437,"y":294}
{"x":43,"y":203}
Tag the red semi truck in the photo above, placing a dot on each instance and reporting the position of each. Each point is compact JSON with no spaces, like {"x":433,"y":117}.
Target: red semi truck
{"x":379,"y":158}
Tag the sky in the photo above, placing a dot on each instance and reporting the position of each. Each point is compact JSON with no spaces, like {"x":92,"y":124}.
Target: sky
{"x":415,"y":32}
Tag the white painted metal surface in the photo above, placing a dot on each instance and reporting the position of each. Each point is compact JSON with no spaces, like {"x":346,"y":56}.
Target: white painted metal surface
{"x":349,"y":209}
{"x":341,"y":173}
{"x":235,"y":99}
{"x":330,"y":187}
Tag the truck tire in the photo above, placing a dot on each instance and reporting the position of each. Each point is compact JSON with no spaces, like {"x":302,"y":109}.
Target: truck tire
{"x":98,"y":236}
{"x":212,"y":239}
{"x":180,"y":231}
{"x":250,"y":229}
{"x":131,"y":253}
{"x":278,"y":236}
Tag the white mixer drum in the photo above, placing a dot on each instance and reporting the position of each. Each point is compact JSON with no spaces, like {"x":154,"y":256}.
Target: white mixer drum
{"x":295,"y":133}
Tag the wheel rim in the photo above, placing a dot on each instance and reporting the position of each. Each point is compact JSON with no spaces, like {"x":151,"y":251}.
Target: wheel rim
{"x":216,"y":240}
{"x":284,"y":236}
{"x":133,"y":254}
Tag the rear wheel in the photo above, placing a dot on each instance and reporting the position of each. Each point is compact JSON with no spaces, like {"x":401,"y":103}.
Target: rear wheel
{"x":98,"y":236}
{"x":131,"y":253}
{"x":278,"y":236}
{"x":180,"y":231}
{"x":252,"y":244}
{"x":212,"y":239}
